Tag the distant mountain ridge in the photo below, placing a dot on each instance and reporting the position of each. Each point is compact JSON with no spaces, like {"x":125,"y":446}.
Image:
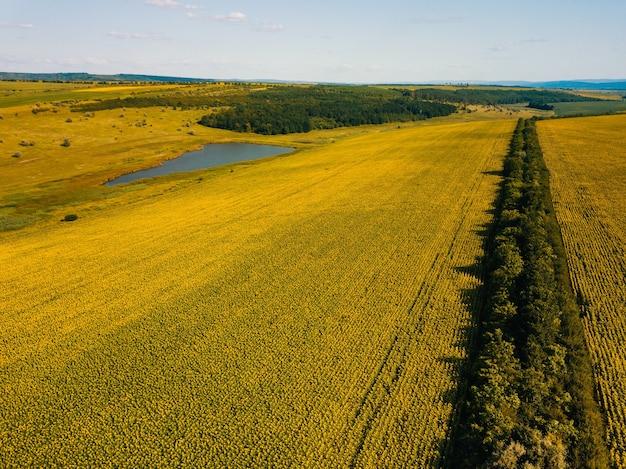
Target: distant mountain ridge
{"x":592,"y":84}
{"x":122,"y":77}
{"x":569,"y":84}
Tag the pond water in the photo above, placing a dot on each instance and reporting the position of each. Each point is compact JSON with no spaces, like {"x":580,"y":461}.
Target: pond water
{"x":215,"y":154}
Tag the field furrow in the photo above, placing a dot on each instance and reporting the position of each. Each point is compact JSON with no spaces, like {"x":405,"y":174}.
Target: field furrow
{"x":306,"y":311}
{"x":587,"y":164}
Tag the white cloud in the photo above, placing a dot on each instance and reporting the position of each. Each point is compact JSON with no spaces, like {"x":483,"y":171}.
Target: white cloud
{"x":58,"y":62}
{"x":94,"y":61}
{"x":163,"y":3}
{"x":511,"y":44}
{"x":68,"y":61}
{"x":120,"y":35}
{"x":270,"y":28}
{"x":171,"y":4}
{"x":532,"y":40}
{"x":4,"y":24}
{"x":359,"y":68}
{"x":234,"y":17}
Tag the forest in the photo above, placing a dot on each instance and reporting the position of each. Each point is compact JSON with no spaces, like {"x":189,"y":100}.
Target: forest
{"x":496,"y":96}
{"x":289,"y":109}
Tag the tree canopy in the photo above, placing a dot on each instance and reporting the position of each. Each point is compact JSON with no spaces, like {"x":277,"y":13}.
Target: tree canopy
{"x":287,"y":109}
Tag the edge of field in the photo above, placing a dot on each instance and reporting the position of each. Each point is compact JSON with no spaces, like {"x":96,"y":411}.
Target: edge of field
{"x":48,"y":180}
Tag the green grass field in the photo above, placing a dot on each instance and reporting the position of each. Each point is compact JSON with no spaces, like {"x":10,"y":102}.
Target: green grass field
{"x":589,"y":108}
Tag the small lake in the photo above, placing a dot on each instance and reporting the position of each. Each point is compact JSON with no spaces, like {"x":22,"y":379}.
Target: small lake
{"x":214,"y":154}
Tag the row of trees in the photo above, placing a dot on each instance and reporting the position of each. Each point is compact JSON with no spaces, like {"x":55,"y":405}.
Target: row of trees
{"x":494,"y":96}
{"x":531,"y":400}
{"x":288,"y":109}
{"x":200,"y":97}
{"x":165,"y":100}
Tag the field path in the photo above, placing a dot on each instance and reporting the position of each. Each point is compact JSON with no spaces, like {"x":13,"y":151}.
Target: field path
{"x":307,"y":311}
{"x":587,"y":162}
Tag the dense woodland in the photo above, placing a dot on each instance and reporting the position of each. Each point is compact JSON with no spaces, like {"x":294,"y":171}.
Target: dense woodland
{"x":531,"y":399}
{"x":288,"y":109}
{"x":495,"y":96}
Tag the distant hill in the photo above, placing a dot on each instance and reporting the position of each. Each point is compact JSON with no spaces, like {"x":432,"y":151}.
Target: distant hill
{"x":66,"y":77}
{"x":569,"y":84}
{"x":587,"y":85}
{"x":122,"y":77}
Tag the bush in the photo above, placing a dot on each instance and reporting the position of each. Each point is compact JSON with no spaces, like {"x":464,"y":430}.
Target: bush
{"x":17,"y":154}
{"x":70,"y":217}
{"x":66,"y":142}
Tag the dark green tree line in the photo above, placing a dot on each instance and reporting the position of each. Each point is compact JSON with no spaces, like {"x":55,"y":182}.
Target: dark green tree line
{"x":287,"y":109}
{"x":531,"y":400}
{"x":495,"y":96}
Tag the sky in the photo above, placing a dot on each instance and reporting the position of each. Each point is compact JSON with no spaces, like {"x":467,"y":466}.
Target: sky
{"x":390,"y":41}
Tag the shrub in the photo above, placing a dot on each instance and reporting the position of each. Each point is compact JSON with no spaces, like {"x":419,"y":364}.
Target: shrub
{"x":70,"y":217}
{"x":66,"y":142}
{"x":17,"y":154}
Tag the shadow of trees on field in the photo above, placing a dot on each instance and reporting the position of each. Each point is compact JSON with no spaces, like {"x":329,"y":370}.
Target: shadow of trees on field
{"x":474,"y":300}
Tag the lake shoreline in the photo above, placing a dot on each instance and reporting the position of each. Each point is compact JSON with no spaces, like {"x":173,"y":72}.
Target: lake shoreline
{"x":209,"y":156}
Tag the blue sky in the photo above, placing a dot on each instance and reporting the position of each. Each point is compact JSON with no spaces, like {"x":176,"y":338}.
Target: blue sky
{"x":339,"y":41}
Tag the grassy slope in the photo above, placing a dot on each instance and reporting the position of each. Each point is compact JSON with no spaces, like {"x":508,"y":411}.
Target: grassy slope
{"x":311,"y":309}
{"x":49,"y":180}
{"x":593,"y":107}
{"x":48,"y":176}
{"x":587,"y":163}
{"x":29,"y":93}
